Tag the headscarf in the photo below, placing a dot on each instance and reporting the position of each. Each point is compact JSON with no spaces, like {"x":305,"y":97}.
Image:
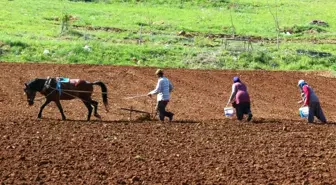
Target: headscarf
{"x":301,"y":83}
{"x":236,"y":79}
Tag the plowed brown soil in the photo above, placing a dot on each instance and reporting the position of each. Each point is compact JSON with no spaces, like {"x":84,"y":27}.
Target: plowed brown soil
{"x":200,"y":146}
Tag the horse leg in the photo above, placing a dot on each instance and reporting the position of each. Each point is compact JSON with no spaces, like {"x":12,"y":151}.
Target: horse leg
{"x":89,"y":107}
{"x":95,"y":106}
{"x":58,"y":103}
{"x":42,"y":107}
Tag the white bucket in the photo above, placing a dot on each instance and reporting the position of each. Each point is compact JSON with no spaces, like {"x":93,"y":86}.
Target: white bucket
{"x":229,"y":111}
{"x":304,"y":112}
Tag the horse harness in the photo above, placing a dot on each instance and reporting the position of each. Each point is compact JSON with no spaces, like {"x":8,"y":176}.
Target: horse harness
{"x":59,"y":81}
{"x":46,"y":85}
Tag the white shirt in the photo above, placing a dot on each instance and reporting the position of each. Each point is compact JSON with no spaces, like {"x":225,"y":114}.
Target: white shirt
{"x":163,"y":89}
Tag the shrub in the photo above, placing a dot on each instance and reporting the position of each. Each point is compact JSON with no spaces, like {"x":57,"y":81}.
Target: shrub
{"x":296,"y":29}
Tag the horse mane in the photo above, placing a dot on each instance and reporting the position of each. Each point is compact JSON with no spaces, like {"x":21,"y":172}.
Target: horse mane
{"x":36,"y":84}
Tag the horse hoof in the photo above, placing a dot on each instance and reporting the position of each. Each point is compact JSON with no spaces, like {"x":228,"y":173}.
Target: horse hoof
{"x":97,"y":116}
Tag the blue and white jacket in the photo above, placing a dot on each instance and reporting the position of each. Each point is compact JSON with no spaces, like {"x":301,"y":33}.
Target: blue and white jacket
{"x":163,"y":89}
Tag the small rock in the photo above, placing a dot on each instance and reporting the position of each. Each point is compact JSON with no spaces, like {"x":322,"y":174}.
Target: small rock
{"x":284,"y":128}
{"x":306,"y":182}
{"x":138,"y":157}
{"x":135,"y":179}
{"x":46,"y":52}
{"x":182,"y":33}
{"x":87,"y":48}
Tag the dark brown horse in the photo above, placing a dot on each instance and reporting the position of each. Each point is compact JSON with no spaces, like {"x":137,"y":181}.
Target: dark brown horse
{"x":55,"y":90}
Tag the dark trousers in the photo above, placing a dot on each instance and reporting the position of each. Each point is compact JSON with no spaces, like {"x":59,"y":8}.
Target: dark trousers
{"x":161,"y":108}
{"x":315,"y":110}
{"x":241,"y":109}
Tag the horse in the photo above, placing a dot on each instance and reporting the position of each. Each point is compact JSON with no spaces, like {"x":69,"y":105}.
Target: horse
{"x":54,"y":89}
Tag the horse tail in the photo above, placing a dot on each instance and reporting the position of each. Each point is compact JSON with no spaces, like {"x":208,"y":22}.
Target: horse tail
{"x":104,"y":93}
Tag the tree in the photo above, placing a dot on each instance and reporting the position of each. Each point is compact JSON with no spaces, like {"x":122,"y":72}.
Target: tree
{"x":276,"y":20}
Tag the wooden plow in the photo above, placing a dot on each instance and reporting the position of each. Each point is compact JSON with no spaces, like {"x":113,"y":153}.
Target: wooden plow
{"x":132,"y":110}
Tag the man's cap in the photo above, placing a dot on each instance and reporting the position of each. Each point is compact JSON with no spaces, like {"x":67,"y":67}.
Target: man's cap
{"x":159,"y":71}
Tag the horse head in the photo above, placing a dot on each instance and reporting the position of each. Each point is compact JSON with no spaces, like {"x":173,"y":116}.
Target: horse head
{"x":30,"y":94}
{"x":32,"y":87}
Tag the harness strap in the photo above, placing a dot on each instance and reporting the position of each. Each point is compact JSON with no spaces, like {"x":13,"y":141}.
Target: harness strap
{"x":43,"y":97}
{"x":46,"y":84}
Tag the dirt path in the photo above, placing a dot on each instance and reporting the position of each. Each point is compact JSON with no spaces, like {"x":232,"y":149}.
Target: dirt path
{"x":199,"y":147}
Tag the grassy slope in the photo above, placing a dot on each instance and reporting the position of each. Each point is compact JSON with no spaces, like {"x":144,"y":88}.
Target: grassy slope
{"x":27,"y":28}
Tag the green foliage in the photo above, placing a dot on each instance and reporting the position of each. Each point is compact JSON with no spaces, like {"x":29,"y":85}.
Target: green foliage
{"x":179,"y":3}
{"x":16,"y":44}
{"x":304,"y":29}
{"x":177,"y":33}
{"x":88,"y":1}
{"x":65,"y":25}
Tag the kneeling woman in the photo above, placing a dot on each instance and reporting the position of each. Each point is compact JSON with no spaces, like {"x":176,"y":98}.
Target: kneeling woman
{"x":241,"y":99}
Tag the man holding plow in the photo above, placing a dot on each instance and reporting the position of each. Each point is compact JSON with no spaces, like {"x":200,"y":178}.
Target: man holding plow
{"x":163,"y":90}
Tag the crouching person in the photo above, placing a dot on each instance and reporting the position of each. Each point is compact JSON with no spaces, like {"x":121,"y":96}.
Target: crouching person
{"x":241,"y":99}
{"x":163,"y":90}
{"x":310,"y":99}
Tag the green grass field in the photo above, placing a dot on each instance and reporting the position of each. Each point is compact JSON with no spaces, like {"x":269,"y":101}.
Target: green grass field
{"x":146,"y":33}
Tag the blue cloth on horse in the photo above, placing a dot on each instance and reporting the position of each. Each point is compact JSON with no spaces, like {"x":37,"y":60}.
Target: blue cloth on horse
{"x":59,"y":86}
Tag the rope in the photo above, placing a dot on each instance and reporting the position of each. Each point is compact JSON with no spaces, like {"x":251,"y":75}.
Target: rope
{"x":64,"y":91}
{"x":153,"y":109}
{"x":68,"y":90}
{"x":137,"y":96}
{"x":54,"y":89}
{"x":44,"y":97}
{"x":74,"y":96}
